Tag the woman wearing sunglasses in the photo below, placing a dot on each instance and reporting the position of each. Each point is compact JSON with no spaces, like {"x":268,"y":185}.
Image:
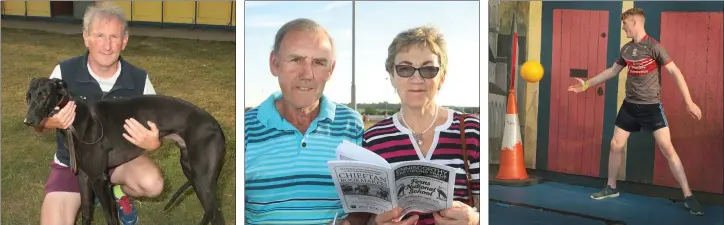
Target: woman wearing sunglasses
{"x":423,"y":130}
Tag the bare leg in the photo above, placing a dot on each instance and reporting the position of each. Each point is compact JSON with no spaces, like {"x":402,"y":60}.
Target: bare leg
{"x":620,"y":137}
{"x":60,"y":208}
{"x":139,"y":177}
{"x":663,"y":140}
{"x":615,"y":156}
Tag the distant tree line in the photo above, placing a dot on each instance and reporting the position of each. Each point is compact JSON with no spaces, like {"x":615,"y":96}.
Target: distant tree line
{"x":383,"y":108}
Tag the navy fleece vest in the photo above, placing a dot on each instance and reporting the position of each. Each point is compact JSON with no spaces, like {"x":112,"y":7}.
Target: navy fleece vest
{"x":130,"y":82}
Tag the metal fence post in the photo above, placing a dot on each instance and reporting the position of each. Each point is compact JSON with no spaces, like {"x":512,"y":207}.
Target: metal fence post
{"x":196,"y":14}
{"x":231,"y":12}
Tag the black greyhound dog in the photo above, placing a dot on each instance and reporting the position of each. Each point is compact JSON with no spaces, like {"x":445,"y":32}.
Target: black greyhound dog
{"x":95,"y":142}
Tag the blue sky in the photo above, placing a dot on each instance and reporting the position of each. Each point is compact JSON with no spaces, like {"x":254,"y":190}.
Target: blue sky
{"x":376,"y":25}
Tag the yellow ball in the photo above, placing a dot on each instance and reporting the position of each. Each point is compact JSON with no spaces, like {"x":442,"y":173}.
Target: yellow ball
{"x":531,"y":71}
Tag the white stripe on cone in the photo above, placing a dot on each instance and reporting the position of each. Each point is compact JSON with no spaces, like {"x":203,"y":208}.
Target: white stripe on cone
{"x":511,"y":134}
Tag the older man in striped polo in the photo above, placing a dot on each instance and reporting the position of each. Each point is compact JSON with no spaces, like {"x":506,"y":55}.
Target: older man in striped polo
{"x":290,"y":137}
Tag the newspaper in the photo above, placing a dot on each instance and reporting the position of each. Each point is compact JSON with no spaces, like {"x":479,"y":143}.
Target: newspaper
{"x":365,"y":182}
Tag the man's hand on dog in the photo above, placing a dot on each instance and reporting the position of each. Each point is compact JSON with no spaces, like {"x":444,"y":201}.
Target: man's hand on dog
{"x":63,"y":119}
{"x":140,"y":136}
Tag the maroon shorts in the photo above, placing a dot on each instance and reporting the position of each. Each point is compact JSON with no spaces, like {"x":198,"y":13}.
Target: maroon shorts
{"x":62,"y":179}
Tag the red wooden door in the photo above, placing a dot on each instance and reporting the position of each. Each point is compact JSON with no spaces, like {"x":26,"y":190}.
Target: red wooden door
{"x":579,"y":50}
{"x":694,"y":41}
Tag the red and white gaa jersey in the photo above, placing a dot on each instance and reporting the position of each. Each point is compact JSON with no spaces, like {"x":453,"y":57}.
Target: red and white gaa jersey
{"x":644,"y":60}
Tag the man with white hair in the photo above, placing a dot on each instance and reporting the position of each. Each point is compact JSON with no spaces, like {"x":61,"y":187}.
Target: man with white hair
{"x":98,"y":74}
{"x":292,"y":134}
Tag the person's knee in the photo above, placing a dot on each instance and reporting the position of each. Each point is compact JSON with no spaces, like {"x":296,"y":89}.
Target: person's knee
{"x":663,"y":141}
{"x":667,"y":149}
{"x":141,"y":175}
{"x":617,"y":145}
{"x":151,"y":184}
{"x":620,"y":136}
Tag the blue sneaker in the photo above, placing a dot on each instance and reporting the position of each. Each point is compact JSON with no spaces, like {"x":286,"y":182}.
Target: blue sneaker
{"x":127,"y":213}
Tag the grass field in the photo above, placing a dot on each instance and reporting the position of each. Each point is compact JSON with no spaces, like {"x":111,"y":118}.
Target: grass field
{"x":202,"y":72}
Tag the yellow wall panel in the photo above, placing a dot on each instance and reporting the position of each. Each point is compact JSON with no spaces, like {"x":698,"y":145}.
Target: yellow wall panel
{"x":213,"y":13}
{"x":147,"y":11}
{"x":14,"y":8}
{"x":39,"y":8}
{"x":126,"y":6}
{"x":626,"y":5}
{"x":535,"y":15}
{"x":178,"y":12}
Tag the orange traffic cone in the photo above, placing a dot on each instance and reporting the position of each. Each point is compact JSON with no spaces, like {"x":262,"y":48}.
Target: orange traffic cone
{"x":512,"y":167}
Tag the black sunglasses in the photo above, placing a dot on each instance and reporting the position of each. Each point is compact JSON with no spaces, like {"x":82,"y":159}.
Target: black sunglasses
{"x":427,"y":72}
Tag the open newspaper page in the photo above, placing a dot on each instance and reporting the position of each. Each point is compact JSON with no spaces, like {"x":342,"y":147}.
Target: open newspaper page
{"x":362,"y":187}
{"x":423,"y":186}
{"x":352,"y":152}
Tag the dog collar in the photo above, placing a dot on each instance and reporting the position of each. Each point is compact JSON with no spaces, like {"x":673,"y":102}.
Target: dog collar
{"x":63,"y":101}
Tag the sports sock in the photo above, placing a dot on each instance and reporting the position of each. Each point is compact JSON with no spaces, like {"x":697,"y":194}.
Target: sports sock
{"x":118,"y":192}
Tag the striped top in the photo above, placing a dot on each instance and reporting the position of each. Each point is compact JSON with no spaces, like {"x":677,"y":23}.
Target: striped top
{"x":286,"y":177}
{"x":391,"y":140}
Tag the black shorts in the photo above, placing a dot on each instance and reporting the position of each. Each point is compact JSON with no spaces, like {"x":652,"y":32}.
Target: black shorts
{"x":633,"y":117}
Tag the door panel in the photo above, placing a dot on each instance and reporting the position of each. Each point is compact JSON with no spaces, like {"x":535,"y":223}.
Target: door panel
{"x":699,"y":144}
{"x":579,"y":51}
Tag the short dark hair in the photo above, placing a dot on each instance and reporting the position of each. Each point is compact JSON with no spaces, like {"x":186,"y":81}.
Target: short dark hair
{"x":632,"y":12}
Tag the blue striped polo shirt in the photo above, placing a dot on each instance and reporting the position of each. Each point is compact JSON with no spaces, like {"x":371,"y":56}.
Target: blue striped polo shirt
{"x":285,"y":172}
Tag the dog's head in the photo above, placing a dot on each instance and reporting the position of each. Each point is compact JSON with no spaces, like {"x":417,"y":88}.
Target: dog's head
{"x":44,"y":94}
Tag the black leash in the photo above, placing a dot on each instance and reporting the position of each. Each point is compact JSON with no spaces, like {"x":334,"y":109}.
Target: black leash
{"x":71,"y":130}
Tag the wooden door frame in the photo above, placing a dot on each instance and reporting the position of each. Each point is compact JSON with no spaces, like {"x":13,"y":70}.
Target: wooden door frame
{"x":611,"y":91}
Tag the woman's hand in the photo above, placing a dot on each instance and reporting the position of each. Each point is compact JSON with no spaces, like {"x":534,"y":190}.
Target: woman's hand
{"x":390,"y":218}
{"x":459,"y":214}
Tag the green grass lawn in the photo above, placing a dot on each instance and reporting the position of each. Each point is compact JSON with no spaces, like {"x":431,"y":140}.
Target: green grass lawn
{"x":202,"y":72}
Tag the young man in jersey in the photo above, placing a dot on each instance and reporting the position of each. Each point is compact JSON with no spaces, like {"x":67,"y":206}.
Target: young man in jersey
{"x":642,"y":109}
